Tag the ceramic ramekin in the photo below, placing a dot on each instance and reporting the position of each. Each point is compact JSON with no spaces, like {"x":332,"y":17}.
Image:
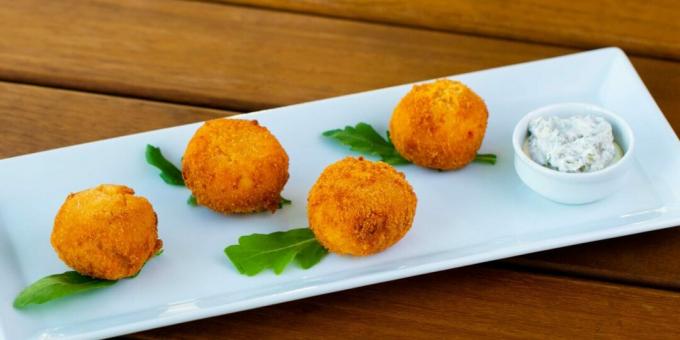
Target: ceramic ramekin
{"x":574,"y":188}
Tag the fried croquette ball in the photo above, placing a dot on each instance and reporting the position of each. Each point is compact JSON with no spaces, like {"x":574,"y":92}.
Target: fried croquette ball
{"x":439,"y":125}
{"x":235,"y":166}
{"x":106,"y":232}
{"x":358,"y":207}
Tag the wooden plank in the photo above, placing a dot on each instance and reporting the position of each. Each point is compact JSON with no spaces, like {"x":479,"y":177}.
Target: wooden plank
{"x":471,"y":302}
{"x":476,"y":302}
{"x":244,"y":59}
{"x":34,"y":119}
{"x":662,"y":78}
{"x":224,"y":56}
{"x":647,"y":28}
{"x":649,"y":258}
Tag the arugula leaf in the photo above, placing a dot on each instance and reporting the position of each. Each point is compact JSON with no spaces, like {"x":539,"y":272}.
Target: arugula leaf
{"x":57,"y":286}
{"x":488,"y":158}
{"x":257,"y":252}
{"x":284,"y":201}
{"x":192,"y":201}
{"x":169,"y":172}
{"x":363,"y":138}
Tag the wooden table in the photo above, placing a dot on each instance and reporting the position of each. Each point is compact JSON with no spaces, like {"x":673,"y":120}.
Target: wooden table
{"x":78,"y":71}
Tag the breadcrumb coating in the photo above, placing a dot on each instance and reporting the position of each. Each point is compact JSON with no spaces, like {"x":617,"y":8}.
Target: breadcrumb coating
{"x":439,"y":125}
{"x":235,"y":166}
{"x":106,"y":232}
{"x":358,"y":207}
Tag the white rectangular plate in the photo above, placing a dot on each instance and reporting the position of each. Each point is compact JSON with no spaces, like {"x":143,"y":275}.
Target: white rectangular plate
{"x":480,"y":213}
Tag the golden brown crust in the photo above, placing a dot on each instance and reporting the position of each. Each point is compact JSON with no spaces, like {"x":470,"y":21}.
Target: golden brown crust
{"x":439,"y":125}
{"x":359,"y":207}
{"x":235,"y":166}
{"x":106,"y":232}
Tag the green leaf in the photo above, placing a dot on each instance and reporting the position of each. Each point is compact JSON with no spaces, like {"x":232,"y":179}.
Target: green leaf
{"x":169,"y":172}
{"x":57,"y":286}
{"x":60,"y":285}
{"x":363,"y":138}
{"x":487,"y":158}
{"x":192,"y":201}
{"x":257,"y":252}
{"x":284,"y":201}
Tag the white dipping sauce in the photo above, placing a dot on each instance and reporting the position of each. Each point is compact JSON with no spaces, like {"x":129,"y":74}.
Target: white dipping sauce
{"x":582,"y":143}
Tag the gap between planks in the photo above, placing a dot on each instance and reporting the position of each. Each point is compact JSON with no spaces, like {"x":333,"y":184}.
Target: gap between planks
{"x":516,"y":22}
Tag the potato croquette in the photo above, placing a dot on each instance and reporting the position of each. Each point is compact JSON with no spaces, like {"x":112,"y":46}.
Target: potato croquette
{"x":106,"y":232}
{"x":439,"y":125}
{"x":235,"y":166}
{"x":358,"y":207}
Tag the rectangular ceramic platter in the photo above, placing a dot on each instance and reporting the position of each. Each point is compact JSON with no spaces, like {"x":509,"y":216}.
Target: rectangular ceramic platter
{"x":477,"y":214}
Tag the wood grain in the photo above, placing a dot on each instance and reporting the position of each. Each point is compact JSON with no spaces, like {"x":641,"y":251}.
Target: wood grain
{"x":245,"y":59}
{"x":223,"y":56}
{"x":35,"y":119}
{"x":648,"y":259}
{"x":234,"y":57}
{"x":647,"y":28}
{"x":472,"y":302}
{"x":662,"y":78}
{"x":476,"y":302}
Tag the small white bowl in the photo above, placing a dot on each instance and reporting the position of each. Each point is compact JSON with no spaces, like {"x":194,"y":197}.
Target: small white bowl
{"x":574,"y":188}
